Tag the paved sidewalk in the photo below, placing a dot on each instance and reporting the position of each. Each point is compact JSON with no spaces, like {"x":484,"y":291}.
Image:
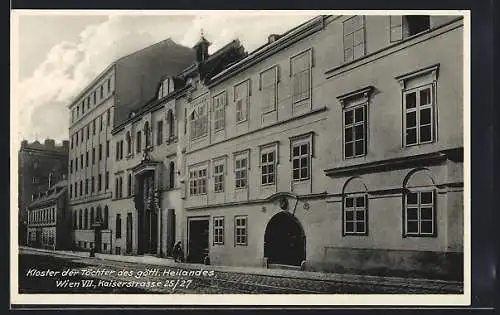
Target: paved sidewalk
{"x":346,"y":278}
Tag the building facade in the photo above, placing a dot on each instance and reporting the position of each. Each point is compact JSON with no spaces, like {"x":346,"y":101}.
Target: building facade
{"x":40,"y":166}
{"x":121,"y":88}
{"x":49,"y":221}
{"x":335,"y":146}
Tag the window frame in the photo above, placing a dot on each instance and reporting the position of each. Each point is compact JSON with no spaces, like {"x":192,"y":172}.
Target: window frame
{"x":273,"y":107}
{"x":219,"y":175}
{"x":417,"y":109}
{"x":197,"y":131}
{"x":195,"y":180}
{"x":218,"y":238}
{"x":245,"y":101}
{"x":219,"y":102}
{"x":239,"y":156}
{"x":419,"y":207}
{"x":237,"y":241}
{"x":266,"y":149}
{"x":354,"y":209}
{"x":296,"y":99}
{"x":353,"y":125}
{"x":344,"y":35}
{"x":298,"y":142}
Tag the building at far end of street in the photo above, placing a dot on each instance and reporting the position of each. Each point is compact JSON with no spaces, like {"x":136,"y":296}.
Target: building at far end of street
{"x":49,"y":222}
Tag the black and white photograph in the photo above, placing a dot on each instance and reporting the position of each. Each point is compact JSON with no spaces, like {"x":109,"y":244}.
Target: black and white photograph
{"x":280,"y":157}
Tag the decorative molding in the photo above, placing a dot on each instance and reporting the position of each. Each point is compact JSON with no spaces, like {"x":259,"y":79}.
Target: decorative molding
{"x":363,"y":93}
{"x":432,"y":70}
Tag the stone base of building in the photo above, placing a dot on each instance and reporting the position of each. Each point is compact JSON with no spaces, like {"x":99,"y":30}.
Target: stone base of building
{"x":417,"y":264}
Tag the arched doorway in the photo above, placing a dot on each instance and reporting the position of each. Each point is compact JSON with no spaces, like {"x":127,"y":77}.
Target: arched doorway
{"x":284,"y":240}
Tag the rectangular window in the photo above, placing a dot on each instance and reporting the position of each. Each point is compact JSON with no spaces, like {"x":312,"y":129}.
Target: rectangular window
{"x":268,"y":166}
{"x":93,"y":156}
{"x":106,"y":181}
{"x":100,"y":151}
{"x":419,"y":118}
{"x":219,"y":103}
{"x":219,"y":176}
{"x":138,"y":142}
{"x":301,"y":159}
{"x":71,"y":166}
{"x":100,"y":123}
{"x":99,"y":182}
{"x":242,"y":100}
{"x":240,"y":230}
{"x":355,"y":131}
{"x":118,"y":227}
{"x":354,"y":38}
{"x":93,"y":127}
{"x":240,"y":170}
{"x":101,"y":92}
{"x":198,"y":181}
{"x":87,"y":159}
{"x":117,"y":153}
{"x":355,"y":215}
{"x":88,"y":131}
{"x":92,"y":185}
{"x":159,"y":132}
{"x":301,"y":76}
{"x":81,"y":160}
{"x":219,"y":230}
{"x":107,"y":148}
{"x":269,"y":89}
{"x":108,"y":117}
{"x":404,"y":26}
{"x":420,"y":213}
{"x":199,"y":121}
{"x":95,"y":97}
{"x":86,"y":186}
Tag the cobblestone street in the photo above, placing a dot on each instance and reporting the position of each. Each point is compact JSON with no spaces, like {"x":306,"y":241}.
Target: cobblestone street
{"x":144,"y":278}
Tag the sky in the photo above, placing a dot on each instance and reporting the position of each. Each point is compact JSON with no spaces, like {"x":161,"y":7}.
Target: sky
{"x":56,"y":55}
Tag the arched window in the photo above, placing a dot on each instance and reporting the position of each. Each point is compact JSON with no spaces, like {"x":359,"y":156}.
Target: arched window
{"x":129,"y":143}
{"x":80,"y":219}
{"x":355,"y":208}
{"x":106,"y":217}
{"x":147,"y":134}
{"x":419,"y":204}
{"x":92,"y":216}
{"x":170,"y":122}
{"x":86,"y":219}
{"x":171,"y":177}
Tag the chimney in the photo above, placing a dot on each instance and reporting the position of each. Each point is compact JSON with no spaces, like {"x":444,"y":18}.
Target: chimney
{"x":49,"y":143}
{"x":272,"y":38}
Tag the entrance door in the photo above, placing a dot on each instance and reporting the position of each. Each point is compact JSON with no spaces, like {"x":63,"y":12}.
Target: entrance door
{"x":284,"y":240}
{"x":198,"y":240}
{"x":128,"y":248}
{"x":151,"y":231}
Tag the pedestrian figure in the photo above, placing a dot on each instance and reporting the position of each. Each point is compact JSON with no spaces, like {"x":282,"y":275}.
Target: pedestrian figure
{"x":177,"y":252}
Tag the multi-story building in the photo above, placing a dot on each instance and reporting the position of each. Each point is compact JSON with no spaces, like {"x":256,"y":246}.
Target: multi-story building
{"x":336,"y":146}
{"x":49,"y":221}
{"x":121,"y":88}
{"x":40,"y":166}
{"x":147,"y":200}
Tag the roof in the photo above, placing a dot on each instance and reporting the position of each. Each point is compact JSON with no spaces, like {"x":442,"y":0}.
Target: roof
{"x":50,"y":195}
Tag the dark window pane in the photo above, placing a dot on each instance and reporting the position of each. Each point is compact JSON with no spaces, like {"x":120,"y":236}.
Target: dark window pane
{"x":304,"y":172}
{"x":270,"y":168}
{"x":425,"y":96}
{"x":411,"y":100}
{"x":426,"y":227}
{"x":238,"y":164}
{"x":360,"y":147}
{"x":359,"y":114}
{"x":360,"y":201}
{"x":264,"y":158}
{"x":359,"y":132}
{"x":349,"y":215}
{"x":412,"y":214}
{"x":271,"y":156}
{"x":304,"y":149}
{"x":243,"y":163}
{"x":295,"y":151}
{"x":412,"y":227}
{"x":425,"y":116}
{"x":411,"y":119}
{"x":348,"y":117}
{"x":349,"y":227}
{"x":296,"y":174}
{"x":426,"y":197}
{"x":349,"y":202}
{"x":264,"y":179}
{"x":360,"y":215}
{"x":411,"y":198}
{"x":411,"y":136}
{"x":349,"y":149}
{"x":304,"y":162}
{"x":360,"y":227}
{"x":348,"y":134}
{"x":425,"y":133}
{"x":426,"y":213}
{"x":296,"y":163}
